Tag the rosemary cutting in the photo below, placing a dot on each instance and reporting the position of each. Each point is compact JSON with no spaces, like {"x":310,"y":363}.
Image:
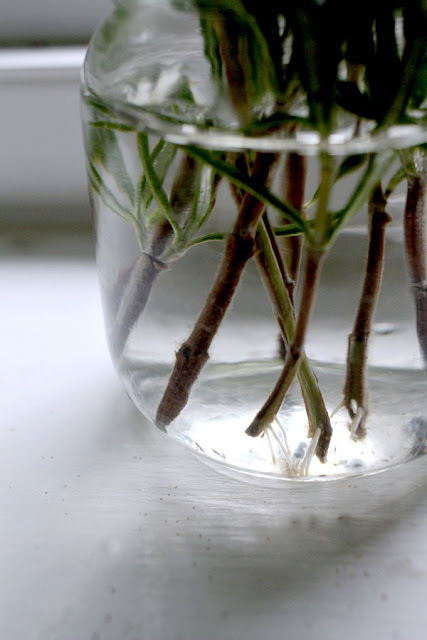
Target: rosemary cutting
{"x":292,"y":72}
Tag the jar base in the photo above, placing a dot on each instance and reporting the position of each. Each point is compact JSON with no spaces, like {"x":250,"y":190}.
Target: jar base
{"x":227,"y":397}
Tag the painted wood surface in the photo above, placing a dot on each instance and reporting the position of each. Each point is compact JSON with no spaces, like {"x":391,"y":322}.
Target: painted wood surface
{"x":111,"y":531}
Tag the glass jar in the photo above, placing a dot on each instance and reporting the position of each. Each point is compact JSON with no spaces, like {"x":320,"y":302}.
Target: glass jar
{"x":257,"y":180}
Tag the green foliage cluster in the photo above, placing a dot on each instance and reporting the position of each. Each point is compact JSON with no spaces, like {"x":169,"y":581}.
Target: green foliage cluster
{"x":366,"y":57}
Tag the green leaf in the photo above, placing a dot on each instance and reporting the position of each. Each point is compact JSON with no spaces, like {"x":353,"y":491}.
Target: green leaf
{"x":115,"y":126}
{"x":350,"y":164}
{"x":161,"y":159}
{"x":395,"y":180}
{"x":347,"y":166}
{"x":248,"y":184}
{"x":209,"y":237}
{"x":375,"y":169}
{"x":204,"y":200}
{"x":274,"y":123}
{"x":419,"y":91}
{"x":362,"y":105}
{"x":102,"y":148}
{"x":287,"y":231}
{"x":107,"y":196}
{"x":155,"y":183}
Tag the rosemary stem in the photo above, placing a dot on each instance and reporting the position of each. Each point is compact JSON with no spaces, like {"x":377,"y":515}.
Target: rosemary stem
{"x":133,"y":288}
{"x":355,"y":388}
{"x":315,"y":252}
{"x":377,"y":166}
{"x":415,"y":249}
{"x":130,"y":293}
{"x":273,"y":277}
{"x":228,"y":44}
{"x":194,"y":352}
{"x":322,"y":222}
{"x":295,"y":189}
{"x":294,"y":355}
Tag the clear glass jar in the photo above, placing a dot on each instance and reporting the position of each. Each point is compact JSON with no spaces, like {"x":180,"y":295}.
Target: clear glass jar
{"x":260,"y":245}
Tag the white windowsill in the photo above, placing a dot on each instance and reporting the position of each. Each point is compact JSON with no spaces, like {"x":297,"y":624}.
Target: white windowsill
{"x":14,"y":61}
{"x":110,"y":530}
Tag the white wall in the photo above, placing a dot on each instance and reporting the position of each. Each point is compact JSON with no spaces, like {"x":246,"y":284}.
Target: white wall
{"x":42,"y":175}
{"x":35,"y":21}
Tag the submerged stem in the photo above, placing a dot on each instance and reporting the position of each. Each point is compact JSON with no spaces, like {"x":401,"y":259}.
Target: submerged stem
{"x":194,"y":352}
{"x":295,"y":190}
{"x":130,"y":294}
{"x":315,"y":252}
{"x":355,"y":388}
{"x":295,"y":351}
{"x":415,"y":248}
{"x":276,"y":283}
